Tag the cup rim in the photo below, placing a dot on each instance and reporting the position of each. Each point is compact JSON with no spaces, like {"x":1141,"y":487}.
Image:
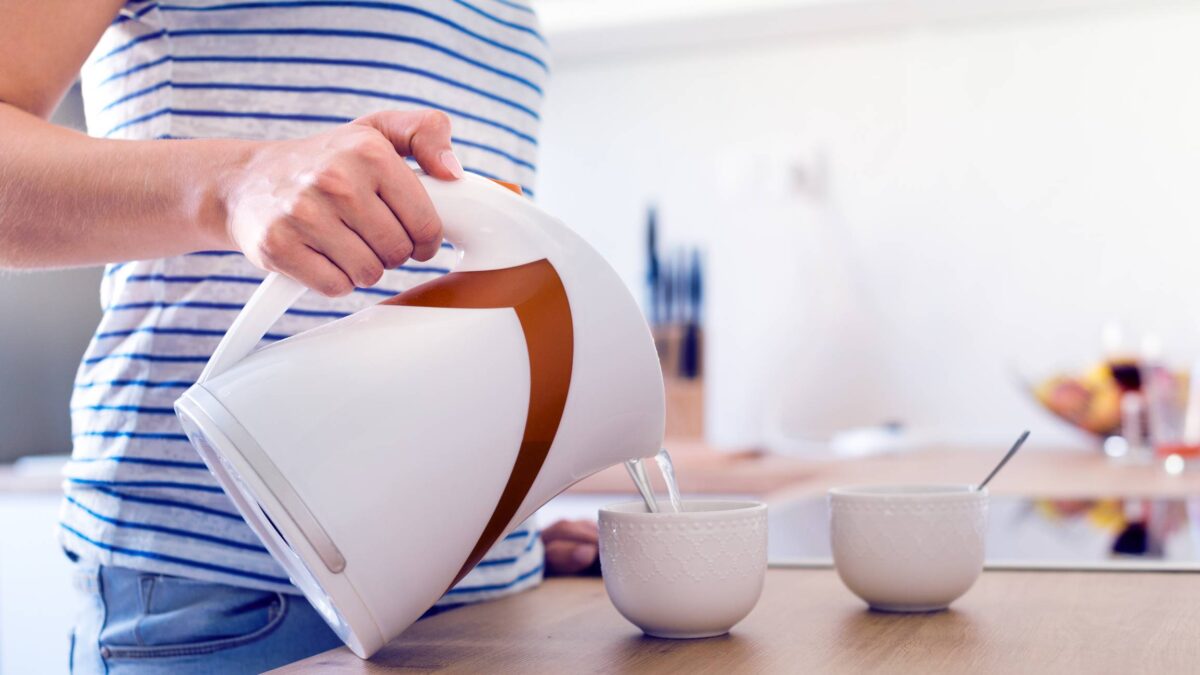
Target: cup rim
{"x":908,"y":492}
{"x":719,"y":508}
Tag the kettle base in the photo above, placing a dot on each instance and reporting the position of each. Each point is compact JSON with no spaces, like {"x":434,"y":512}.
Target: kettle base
{"x":209,"y":426}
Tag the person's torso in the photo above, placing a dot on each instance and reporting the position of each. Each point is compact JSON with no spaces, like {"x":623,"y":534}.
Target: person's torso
{"x":137,"y":494}
{"x":272,"y":69}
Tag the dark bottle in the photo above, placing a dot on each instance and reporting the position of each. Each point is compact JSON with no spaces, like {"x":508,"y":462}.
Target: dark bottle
{"x":1127,"y":374}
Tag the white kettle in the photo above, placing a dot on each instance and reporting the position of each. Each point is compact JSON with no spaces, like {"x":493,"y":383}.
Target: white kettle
{"x":446,"y":415}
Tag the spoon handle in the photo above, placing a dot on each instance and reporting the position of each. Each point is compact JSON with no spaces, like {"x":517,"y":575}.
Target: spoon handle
{"x":1009,"y":455}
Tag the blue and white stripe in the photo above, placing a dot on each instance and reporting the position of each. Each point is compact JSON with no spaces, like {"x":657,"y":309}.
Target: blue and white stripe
{"x":137,"y":494}
{"x":283,"y":68}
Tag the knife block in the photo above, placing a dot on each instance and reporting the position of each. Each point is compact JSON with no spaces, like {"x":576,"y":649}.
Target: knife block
{"x":684,"y":391}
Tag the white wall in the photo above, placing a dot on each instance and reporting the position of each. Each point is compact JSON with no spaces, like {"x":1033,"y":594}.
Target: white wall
{"x":994,"y":191}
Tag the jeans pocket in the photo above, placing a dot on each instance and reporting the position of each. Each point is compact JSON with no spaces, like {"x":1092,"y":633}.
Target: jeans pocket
{"x":173,"y":617}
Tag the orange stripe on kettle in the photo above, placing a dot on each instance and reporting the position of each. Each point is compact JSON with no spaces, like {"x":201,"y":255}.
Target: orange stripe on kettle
{"x":535,"y":292}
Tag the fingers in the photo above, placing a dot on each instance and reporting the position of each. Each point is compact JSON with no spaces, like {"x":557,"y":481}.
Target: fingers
{"x":383,"y":201}
{"x":335,"y":210}
{"x":320,"y":222}
{"x":378,"y":227}
{"x":314,"y":235}
{"x":342,"y":246}
{"x":575,"y":531}
{"x":316,"y":272}
{"x":572,"y":546}
{"x":423,"y":135}
{"x":567,"y":557}
{"x":402,"y":192}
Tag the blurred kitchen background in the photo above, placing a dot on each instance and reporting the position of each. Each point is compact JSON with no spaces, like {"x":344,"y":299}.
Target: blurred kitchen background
{"x":858,"y":225}
{"x":905,"y":205}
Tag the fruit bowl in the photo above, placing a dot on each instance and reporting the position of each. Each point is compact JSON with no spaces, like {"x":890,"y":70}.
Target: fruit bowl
{"x":1088,"y":400}
{"x":1091,"y":400}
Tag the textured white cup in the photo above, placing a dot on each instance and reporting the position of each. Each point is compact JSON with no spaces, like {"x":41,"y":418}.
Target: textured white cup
{"x":684,"y":575}
{"x":912,"y":548}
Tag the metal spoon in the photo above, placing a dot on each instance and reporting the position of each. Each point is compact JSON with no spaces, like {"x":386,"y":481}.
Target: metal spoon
{"x":637,"y":471}
{"x":1012,"y":451}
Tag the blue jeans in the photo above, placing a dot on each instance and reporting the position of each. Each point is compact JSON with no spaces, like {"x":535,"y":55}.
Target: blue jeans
{"x":138,"y":622}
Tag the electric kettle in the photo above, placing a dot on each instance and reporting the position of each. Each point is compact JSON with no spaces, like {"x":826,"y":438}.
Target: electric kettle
{"x":446,"y":415}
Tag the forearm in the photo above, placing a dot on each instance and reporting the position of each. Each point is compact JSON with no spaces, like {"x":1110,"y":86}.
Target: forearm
{"x":67,"y":199}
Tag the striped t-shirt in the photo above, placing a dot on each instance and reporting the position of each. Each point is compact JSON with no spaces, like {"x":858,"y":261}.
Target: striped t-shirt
{"x":137,"y":495}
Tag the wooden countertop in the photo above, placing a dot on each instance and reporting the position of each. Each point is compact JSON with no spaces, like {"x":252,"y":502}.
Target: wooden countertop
{"x":806,"y":621}
{"x":1029,"y":622}
{"x":1034,"y":471}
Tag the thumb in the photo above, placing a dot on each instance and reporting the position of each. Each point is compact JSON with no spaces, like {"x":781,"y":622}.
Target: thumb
{"x":423,"y":135}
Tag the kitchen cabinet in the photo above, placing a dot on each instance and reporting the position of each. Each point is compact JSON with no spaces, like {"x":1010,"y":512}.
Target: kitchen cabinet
{"x":37,"y":604}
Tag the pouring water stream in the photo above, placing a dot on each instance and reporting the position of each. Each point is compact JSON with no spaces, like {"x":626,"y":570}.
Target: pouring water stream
{"x":637,"y":471}
{"x":668,"y":472}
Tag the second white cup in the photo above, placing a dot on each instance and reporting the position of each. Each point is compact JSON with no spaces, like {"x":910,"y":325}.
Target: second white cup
{"x":913,"y":548}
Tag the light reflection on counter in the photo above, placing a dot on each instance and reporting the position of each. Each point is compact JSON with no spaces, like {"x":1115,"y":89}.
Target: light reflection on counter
{"x":1106,"y":533}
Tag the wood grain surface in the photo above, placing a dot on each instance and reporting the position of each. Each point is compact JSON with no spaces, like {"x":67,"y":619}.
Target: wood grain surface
{"x":1034,"y":471}
{"x":1011,"y":622}
{"x":807,"y":622}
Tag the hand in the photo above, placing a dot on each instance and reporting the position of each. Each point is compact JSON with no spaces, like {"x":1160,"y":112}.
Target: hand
{"x":571,"y":546}
{"x":334,"y":210}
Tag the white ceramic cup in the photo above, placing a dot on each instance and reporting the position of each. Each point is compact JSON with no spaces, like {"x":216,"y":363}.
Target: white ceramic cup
{"x":913,"y":548}
{"x":692,"y":574}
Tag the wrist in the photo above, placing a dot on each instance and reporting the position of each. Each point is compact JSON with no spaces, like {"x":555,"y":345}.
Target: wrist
{"x":217,"y":189}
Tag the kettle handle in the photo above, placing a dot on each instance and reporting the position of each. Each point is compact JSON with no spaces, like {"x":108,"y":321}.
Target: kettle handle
{"x":490,"y":226}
